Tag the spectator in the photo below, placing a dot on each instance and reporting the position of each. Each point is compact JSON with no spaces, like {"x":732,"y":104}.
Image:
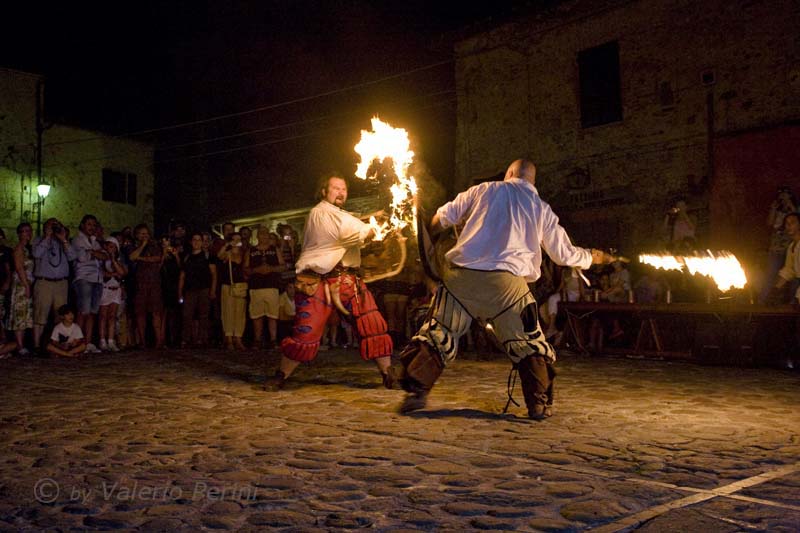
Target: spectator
{"x":218,"y":243}
{"x":247,"y":238}
{"x":67,"y":338}
{"x":52,"y":254}
{"x":20,"y":316}
{"x":6,"y":267}
{"x":177,"y":239}
{"x":114,"y":271}
{"x":263,"y":264}
{"x":790,"y":273}
{"x":127,"y":315}
{"x":170,"y":272}
{"x":290,"y":248}
{"x":620,"y":280}
{"x":597,"y":328}
{"x":196,"y":289}
{"x":88,"y":280}
{"x":234,"y":292}
{"x":7,"y":347}
{"x":570,"y":288}
{"x":779,"y":241}
{"x":678,"y":224}
{"x":148,"y":257}
{"x":214,"y":310}
{"x":649,"y":288}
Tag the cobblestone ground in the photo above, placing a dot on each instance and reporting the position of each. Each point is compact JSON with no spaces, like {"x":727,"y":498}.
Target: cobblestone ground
{"x":187,"y":440}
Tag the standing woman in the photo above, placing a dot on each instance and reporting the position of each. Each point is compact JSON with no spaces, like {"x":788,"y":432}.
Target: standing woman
{"x":20,"y":316}
{"x":234,"y":292}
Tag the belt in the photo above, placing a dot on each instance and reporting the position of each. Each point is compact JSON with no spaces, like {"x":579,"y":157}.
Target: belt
{"x":50,"y":279}
{"x":339,"y":269}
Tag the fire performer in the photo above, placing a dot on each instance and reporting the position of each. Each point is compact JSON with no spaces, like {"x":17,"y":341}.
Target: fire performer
{"x":506,"y":224}
{"x":328,"y":278}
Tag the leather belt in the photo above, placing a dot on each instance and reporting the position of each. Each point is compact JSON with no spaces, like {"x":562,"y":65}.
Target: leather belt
{"x":50,"y":279}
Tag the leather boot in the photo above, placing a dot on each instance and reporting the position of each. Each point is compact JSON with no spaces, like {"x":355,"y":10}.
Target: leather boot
{"x":537,"y":377}
{"x":276,"y":382}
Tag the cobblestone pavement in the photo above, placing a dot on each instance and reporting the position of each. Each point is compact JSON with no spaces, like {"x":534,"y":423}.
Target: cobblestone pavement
{"x":187,"y":440}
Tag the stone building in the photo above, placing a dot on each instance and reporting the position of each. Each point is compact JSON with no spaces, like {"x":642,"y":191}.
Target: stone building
{"x":626,"y":105}
{"x":88,"y":172}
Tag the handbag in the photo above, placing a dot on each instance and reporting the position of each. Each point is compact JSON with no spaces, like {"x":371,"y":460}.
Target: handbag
{"x":237,"y":290}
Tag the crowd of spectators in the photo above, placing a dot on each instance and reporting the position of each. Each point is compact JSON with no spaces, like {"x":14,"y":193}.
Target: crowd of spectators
{"x":100,"y":291}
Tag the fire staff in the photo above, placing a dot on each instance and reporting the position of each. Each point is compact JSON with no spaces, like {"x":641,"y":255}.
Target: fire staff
{"x":506,"y":224}
{"x":328,"y":281}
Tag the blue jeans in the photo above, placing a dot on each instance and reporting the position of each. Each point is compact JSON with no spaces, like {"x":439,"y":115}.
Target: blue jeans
{"x":87,"y":296}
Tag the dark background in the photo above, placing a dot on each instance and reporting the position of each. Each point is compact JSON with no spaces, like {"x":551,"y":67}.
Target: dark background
{"x":295,"y":81}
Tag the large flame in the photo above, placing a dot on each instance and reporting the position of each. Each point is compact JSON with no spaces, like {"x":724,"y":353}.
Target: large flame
{"x":722,"y":267}
{"x":381,"y":144}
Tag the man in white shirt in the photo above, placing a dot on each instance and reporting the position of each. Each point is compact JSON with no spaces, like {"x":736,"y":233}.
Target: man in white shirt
{"x":327,"y":270}
{"x":506,"y":225}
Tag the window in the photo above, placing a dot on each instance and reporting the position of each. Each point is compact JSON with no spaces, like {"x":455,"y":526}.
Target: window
{"x":119,"y":187}
{"x":600,"y":95}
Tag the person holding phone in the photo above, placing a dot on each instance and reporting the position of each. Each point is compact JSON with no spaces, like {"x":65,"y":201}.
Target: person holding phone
{"x":148,"y":257}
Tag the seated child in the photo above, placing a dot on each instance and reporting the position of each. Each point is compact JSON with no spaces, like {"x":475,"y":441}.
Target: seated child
{"x":67,"y":338}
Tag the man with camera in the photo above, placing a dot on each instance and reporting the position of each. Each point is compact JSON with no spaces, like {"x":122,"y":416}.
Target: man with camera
{"x":52,"y":253}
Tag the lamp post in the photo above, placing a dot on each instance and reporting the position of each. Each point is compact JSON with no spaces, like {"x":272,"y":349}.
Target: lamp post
{"x":43,"y":189}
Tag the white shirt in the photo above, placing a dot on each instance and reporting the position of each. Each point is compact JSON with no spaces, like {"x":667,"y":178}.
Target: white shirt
{"x":331,"y":235}
{"x":86,"y":266}
{"x":62,"y":333}
{"x":507,"y":224}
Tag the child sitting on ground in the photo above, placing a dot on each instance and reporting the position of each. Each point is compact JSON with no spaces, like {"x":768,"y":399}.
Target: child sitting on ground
{"x":67,"y":338}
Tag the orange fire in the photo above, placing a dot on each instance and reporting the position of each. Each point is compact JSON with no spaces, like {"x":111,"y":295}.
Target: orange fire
{"x":381,"y":144}
{"x":722,"y":267}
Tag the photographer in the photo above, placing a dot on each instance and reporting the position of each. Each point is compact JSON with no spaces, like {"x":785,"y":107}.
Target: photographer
{"x":678,"y":225}
{"x":234,"y":292}
{"x":52,"y":253}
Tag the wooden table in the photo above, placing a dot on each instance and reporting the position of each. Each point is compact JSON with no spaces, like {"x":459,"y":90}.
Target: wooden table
{"x":692,"y":330}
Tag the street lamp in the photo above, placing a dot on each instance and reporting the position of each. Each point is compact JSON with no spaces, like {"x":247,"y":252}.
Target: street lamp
{"x":43,"y":189}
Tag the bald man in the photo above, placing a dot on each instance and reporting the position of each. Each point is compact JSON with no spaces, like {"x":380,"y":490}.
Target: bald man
{"x":498,"y":252}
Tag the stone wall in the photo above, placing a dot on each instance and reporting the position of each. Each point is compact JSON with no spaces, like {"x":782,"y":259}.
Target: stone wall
{"x":690,"y":71}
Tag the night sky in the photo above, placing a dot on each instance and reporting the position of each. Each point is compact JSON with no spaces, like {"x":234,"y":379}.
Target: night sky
{"x":132,"y":66}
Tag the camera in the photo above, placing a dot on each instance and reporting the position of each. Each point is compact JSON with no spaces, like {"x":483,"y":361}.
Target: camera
{"x":56,"y":227}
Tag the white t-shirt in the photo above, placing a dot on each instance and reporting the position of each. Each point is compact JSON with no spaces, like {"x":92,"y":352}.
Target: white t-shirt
{"x":331,"y":235}
{"x":507,"y":224}
{"x":63,"y":334}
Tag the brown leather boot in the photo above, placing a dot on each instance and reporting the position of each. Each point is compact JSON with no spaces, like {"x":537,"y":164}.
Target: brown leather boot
{"x":276,"y":382}
{"x":537,"y":378}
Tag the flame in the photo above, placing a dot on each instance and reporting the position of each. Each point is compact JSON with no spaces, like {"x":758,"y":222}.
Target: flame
{"x":722,"y":267}
{"x":387,"y":143}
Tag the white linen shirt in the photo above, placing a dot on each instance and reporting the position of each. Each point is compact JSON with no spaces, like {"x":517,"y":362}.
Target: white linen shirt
{"x":507,"y":225}
{"x":332,"y":235}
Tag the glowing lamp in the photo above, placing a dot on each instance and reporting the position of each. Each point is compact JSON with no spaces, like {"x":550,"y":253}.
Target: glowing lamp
{"x":43,"y":189}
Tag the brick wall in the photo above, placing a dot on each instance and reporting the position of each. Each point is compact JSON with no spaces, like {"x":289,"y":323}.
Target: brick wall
{"x":518,"y":96}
